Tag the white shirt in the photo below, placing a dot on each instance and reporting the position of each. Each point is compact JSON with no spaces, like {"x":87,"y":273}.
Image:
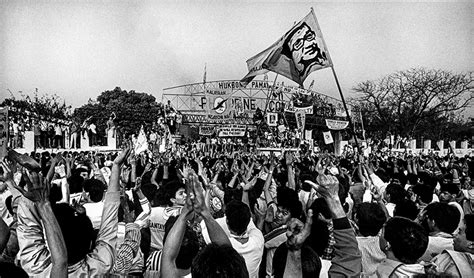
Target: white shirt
{"x":252,"y":250}
{"x":94,"y":211}
{"x":158,"y":218}
{"x":93,"y":128}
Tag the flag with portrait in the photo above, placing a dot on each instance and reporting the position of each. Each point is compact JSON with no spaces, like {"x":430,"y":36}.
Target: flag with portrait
{"x":299,"y":52}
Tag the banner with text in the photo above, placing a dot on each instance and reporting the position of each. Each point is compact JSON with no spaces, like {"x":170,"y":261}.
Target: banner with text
{"x":336,"y":125}
{"x":206,"y":130}
{"x":232,"y":131}
{"x":308,"y":110}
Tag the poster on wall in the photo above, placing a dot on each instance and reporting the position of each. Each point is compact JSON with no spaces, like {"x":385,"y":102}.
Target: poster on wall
{"x":3,"y":131}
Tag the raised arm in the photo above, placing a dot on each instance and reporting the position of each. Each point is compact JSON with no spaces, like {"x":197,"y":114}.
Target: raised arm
{"x":38,"y":192}
{"x":347,"y":259}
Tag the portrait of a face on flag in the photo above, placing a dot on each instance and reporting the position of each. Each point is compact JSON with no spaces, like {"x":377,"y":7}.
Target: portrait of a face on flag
{"x":299,"y":52}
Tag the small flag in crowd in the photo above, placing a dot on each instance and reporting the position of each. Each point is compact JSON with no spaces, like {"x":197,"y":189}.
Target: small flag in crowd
{"x":142,"y":143}
{"x":328,"y":137}
{"x":299,"y":52}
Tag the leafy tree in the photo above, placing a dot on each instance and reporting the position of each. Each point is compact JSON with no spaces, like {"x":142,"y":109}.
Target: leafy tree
{"x":415,"y":102}
{"x":49,"y":107}
{"x":131,"y":108}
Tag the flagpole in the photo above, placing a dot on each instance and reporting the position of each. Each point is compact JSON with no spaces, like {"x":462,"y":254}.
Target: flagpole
{"x":266,"y":103}
{"x":337,"y":83}
{"x":345,"y":106}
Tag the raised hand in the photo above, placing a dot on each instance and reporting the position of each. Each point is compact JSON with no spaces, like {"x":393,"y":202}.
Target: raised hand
{"x":122,"y":157}
{"x":7,"y":174}
{"x":326,"y":185}
{"x":297,"y":232}
{"x":38,"y":188}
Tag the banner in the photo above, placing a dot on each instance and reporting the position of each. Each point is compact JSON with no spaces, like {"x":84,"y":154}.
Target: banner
{"x":141,"y":144}
{"x":206,"y":130}
{"x":336,"y":124}
{"x":232,"y":131}
{"x":307,"y":110}
{"x":328,"y":137}
{"x":272,"y":119}
{"x":300,"y":120}
{"x":299,"y":52}
{"x":3,"y":131}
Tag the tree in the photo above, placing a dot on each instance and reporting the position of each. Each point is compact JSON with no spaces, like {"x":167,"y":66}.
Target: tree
{"x":132,"y":109}
{"x":48,"y":107}
{"x":407,"y":102}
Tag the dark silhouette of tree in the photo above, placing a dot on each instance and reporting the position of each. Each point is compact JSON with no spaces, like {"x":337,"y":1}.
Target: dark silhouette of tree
{"x":414,"y":102}
{"x":132,"y":109}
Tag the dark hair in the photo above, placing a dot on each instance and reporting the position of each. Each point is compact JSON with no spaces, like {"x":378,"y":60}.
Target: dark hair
{"x":77,"y":232}
{"x":95,"y":188}
{"x":371,"y":218}
{"x":170,"y":190}
{"x":189,"y":245}
{"x":216,"y":261}
{"x":75,"y":183}
{"x":408,"y":240}
{"x":287,"y":51}
{"x":396,"y":192}
{"x":446,"y":217}
{"x":288,"y":199}
{"x":406,"y":208}
{"x":310,"y":262}
{"x":238,"y":216}
{"x":424,"y":192}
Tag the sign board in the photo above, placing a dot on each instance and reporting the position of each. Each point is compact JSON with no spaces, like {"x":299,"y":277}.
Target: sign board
{"x":328,"y":137}
{"x":300,"y":120}
{"x":3,"y":131}
{"x":272,"y":119}
{"x":308,"y":110}
{"x":232,"y":130}
{"x":206,"y":130}
{"x":336,"y":125}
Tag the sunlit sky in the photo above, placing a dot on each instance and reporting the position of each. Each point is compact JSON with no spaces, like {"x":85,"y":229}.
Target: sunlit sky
{"x":77,"y":49}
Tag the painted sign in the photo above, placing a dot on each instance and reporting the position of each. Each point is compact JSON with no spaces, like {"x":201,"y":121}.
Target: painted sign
{"x":336,"y":125}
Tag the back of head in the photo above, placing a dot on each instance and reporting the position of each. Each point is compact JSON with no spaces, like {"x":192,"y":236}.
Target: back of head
{"x":370,"y":218}
{"x":424,"y":192}
{"x":406,"y":208}
{"x":95,"y":188}
{"x":445,"y":217}
{"x":395,"y":192}
{"x":77,"y":232}
{"x":215,"y":261}
{"x":408,"y":240}
{"x":238,"y":216}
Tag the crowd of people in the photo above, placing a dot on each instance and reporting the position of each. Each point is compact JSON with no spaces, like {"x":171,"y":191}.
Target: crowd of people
{"x":204,"y":211}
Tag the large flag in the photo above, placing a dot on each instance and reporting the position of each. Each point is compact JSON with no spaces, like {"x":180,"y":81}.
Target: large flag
{"x":141,"y":144}
{"x":299,"y":52}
